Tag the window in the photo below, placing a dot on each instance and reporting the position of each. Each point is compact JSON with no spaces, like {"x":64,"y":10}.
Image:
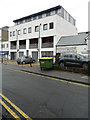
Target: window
{"x":34,"y":18}
{"x":29,"y":30}
{"x":70,"y":56}
{"x":24,"y":31}
{"x":76,"y":56}
{"x":45,"y":26}
{"x":51,"y":25}
{"x":52,"y":12}
{"x":10,"y":34}
{"x":7,"y":45}
{"x":62,"y":13}
{"x":19,"y":32}
{"x":48,"y":14}
{"x":2,"y":46}
{"x":47,"y":54}
{"x":13,"y":33}
{"x":36,"y":28}
{"x":43,"y":15}
{"x":40,"y":16}
{"x":29,"y":19}
{"x":65,"y":56}
{"x":21,"y":54}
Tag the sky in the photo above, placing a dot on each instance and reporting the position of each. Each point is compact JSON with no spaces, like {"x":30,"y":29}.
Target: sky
{"x":14,"y":9}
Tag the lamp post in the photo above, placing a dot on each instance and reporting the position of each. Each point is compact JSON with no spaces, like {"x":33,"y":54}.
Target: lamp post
{"x":39,"y":41}
{"x":17,"y":42}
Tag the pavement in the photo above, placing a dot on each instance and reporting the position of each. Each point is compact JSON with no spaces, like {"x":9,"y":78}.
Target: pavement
{"x":68,"y":76}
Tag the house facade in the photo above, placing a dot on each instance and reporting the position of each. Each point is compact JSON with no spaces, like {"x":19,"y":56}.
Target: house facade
{"x":4,"y":48}
{"x":37,"y":34}
{"x":73,"y":44}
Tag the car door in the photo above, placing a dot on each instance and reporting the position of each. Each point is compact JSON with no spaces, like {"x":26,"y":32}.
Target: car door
{"x":77,"y":60}
{"x":74,"y":61}
{"x":65,"y":59}
{"x":70,"y":60}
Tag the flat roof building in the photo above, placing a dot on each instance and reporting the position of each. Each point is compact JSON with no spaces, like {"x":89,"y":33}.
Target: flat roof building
{"x":37,"y":34}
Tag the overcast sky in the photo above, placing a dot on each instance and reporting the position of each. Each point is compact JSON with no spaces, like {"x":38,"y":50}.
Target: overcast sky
{"x":14,"y":9}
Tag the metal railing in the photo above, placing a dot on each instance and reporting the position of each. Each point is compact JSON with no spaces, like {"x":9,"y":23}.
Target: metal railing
{"x":32,"y":46}
{"x":13,"y":47}
{"x":47,"y":45}
{"x":22,"y":46}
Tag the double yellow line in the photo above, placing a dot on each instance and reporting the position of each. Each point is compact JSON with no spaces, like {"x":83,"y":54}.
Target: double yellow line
{"x":14,"y":106}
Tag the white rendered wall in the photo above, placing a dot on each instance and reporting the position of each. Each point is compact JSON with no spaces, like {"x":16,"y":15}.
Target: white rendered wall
{"x":61,"y":28}
{"x":72,"y":49}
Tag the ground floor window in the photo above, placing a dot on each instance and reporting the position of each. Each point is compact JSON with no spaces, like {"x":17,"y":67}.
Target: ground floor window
{"x":13,"y":55}
{"x":35,"y":55}
{"x":21,"y":54}
{"x":47,"y":53}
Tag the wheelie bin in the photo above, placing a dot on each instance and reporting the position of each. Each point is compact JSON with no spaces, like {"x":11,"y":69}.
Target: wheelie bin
{"x":46,"y":62}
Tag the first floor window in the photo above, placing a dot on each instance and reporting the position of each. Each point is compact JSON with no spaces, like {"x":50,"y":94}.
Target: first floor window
{"x":36,"y":28}
{"x":7,"y":45}
{"x":29,"y":30}
{"x":13,"y":33}
{"x":21,"y":54}
{"x":47,"y":53}
{"x":51,"y":25}
{"x":19,"y":32}
{"x":10,"y":34}
{"x":45,"y":26}
{"x":24,"y":31}
{"x":2,"y":46}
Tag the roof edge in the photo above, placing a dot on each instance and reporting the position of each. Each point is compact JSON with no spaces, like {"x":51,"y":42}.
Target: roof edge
{"x":38,"y":13}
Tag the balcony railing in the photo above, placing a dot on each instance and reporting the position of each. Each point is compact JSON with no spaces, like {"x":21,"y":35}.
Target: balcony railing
{"x":13,"y":47}
{"x":22,"y":46}
{"x":47,"y":45}
{"x":32,"y":46}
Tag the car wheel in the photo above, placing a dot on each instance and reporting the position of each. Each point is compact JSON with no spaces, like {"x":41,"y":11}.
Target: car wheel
{"x":62,"y":64}
{"x":33,"y":61}
{"x":23,"y":62}
{"x":85,"y":65}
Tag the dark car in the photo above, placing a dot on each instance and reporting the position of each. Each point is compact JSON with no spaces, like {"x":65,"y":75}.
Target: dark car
{"x":73,"y":60}
{"x":25,"y":60}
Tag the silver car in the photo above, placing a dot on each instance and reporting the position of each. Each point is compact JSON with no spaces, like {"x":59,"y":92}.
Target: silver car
{"x":25,"y":60}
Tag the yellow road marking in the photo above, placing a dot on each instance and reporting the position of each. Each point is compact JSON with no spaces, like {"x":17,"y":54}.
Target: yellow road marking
{"x":9,"y":110}
{"x":18,"y":109}
{"x":74,"y":83}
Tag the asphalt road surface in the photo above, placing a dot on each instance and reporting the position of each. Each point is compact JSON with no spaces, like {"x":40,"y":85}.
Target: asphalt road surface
{"x":36,"y":96}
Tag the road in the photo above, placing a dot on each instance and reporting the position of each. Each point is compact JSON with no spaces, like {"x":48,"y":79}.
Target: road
{"x":38,"y":96}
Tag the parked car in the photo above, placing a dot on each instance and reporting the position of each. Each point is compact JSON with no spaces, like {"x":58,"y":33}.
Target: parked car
{"x":25,"y":60}
{"x":73,"y":60}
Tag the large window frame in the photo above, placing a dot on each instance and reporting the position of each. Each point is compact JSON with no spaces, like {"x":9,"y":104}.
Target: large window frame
{"x":45,"y":26}
{"x":37,"y":28}
{"x":51,"y":25}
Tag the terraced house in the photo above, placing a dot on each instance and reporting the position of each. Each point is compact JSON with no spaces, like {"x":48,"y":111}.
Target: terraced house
{"x":4,"y":48}
{"x":37,"y":34}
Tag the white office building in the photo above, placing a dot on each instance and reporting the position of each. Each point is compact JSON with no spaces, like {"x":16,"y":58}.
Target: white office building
{"x":37,"y":34}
